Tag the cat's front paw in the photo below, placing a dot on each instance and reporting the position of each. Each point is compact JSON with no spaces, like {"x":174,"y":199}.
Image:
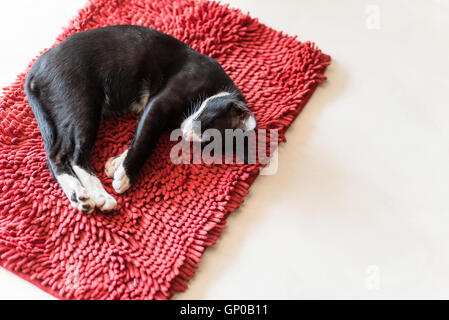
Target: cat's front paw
{"x":114,"y":169}
{"x":113,"y":164}
{"x":121,"y":181}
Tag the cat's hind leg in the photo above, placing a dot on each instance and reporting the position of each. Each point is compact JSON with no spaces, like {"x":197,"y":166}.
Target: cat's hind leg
{"x":71,"y":167}
{"x":59,"y":163}
{"x":81,"y":166}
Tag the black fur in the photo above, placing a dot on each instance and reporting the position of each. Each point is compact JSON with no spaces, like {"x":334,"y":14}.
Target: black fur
{"x":68,"y":85}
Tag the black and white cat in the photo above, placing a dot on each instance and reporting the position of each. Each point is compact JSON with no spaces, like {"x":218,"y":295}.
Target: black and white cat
{"x":112,"y":71}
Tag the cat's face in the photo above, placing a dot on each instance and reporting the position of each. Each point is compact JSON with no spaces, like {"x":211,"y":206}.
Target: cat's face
{"x":220,"y":112}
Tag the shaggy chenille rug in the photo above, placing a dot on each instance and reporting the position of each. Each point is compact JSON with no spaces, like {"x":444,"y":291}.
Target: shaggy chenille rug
{"x":150,"y":247}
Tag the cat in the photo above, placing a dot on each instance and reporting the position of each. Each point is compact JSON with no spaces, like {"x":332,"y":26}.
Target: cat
{"x":111,"y":71}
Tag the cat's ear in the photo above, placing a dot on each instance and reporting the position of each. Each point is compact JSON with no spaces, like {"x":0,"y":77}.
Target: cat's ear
{"x":246,"y":119}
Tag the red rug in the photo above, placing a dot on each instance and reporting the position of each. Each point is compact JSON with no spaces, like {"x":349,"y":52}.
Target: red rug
{"x":150,"y":247}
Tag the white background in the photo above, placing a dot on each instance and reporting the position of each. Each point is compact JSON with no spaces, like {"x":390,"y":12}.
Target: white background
{"x":359,"y":207}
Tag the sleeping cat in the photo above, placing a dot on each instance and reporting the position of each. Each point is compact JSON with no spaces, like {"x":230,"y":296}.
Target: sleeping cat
{"x":112,"y":71}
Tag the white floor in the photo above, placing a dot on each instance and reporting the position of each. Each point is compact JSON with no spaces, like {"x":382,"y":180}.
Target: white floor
{"x":359,"y":207}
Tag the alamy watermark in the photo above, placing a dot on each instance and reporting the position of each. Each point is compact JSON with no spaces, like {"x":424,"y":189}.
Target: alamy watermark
{"x":72,"y":277}
{"x":372,"y":280}
{"x":372,"y":20}
{"x":227,"y":147}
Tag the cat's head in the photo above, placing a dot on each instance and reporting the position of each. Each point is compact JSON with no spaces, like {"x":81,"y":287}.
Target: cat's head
{"x":221,"y":111}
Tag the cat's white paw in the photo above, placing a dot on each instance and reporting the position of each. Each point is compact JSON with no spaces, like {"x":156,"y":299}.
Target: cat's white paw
{"x":121,"y":181}
{"x":113,"y":164}
{"x":78,"y":195}
{"x":105,"y":202}
{"x":102,"y":200}
{"x":114,"y":169}
{"x":110,"y":167}
{"x":81,"y":201}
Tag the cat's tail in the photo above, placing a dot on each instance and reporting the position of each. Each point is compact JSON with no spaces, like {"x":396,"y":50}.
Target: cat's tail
{"x":45,"y":123}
